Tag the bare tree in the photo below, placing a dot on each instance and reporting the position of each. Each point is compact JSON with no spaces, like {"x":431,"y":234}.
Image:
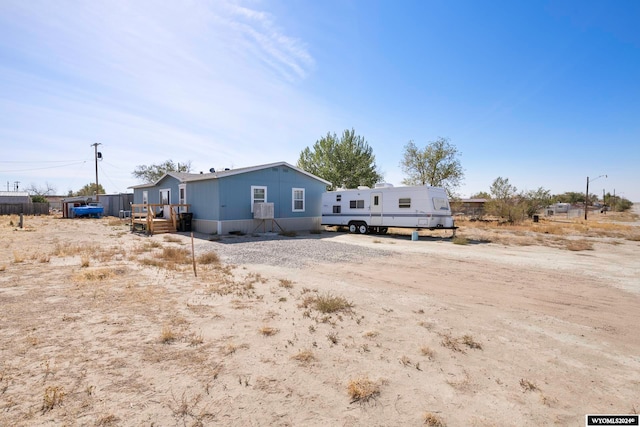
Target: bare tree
{"x":46,"y":190}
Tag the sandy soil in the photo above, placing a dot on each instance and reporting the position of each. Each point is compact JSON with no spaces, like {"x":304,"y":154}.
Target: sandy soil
{"x":103,"y":327}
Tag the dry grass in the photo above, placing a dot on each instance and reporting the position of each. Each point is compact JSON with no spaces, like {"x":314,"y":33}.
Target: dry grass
{"x":99,"y":274}
{"x":454,"y":344}
{"x":268,"y":331}
{"x":362,"y":389}
{"x":231,"y":348}
{"x":579,"y":245}
{"x":84,"y":261}
{"x":167,"y":335}
{"x":432,"y":420}
{"x":53,"y":396}
{"x":304,"y":356}
{"x":470,"y":342}
{"x":171,"y":239}
{"x":209,"y":258}
{"x":327,"y":303}
{"x":427,"y":351}
{"x":528,"y":385}
{"x":285,"y":283}
{"x":18,"y":257}
{"x":459,"y":240}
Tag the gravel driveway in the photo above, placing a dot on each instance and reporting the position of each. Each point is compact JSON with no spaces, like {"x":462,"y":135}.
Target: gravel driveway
{"x":291,"y":252}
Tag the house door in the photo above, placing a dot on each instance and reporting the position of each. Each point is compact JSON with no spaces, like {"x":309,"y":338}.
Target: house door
{"x":165,"y":200}
{"x":376,"y":208}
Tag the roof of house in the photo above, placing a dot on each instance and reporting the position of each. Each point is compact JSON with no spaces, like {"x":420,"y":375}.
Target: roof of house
{"x":191,"y":177}
{"x":14,"y":197}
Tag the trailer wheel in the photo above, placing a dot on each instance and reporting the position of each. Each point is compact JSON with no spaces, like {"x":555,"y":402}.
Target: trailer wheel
{"x":362,"y":228}
{"x":353,"y":227}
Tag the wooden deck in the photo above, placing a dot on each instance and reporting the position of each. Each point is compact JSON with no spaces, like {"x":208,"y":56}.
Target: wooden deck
{"x":145,"y":218}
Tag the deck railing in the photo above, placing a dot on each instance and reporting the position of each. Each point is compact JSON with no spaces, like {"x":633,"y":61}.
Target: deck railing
{"x":147,"y":214}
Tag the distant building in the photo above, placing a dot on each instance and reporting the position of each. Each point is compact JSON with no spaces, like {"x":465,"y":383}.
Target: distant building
{"x":14,"y":197}
{"x":469,"y":207}
{"x":19,"y":202}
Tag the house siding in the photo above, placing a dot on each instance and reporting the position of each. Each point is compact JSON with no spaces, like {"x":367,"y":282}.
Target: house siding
{"x":222,"y":203}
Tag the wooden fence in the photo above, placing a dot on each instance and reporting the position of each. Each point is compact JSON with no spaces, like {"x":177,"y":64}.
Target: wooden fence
{"x":24,"y":208}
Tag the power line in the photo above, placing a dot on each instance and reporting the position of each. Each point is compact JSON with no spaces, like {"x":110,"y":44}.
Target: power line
{"x":37,"y":161}
{"x":47,"y":167}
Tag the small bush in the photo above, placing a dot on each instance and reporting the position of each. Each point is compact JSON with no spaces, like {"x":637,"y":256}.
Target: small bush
{"x":433,"y":420}
{"x":209,"y":258}
{"x":362,"y":389}
{"x":459,"y":240}
{"x":268,"y":331}
{"x":84,"y":261}
{"x":53,"y":396}
{"x":167,"y":336}
{"x":304,"y":356}
{"x":329,"y":303}
{"x":528,"y":385}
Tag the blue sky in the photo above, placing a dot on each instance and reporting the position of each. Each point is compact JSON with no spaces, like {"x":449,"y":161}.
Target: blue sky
{"x":543,"y":93}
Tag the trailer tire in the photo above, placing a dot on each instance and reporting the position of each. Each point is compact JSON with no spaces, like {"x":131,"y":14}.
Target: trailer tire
{"x":353,"y":227}
{"x":362,"y":228}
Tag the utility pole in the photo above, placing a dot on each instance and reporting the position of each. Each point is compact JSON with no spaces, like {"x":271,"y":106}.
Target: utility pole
{"x":99,"y":155}
{"x":586,"y":195}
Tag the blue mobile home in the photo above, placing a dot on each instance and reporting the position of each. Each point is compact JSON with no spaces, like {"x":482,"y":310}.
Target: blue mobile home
{"x":226,"y":201}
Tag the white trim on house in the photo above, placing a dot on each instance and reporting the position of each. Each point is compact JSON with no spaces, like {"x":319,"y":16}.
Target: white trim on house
{"x":255,"y":199}
{"x":298,"y":195}
{"x":182,"y":196}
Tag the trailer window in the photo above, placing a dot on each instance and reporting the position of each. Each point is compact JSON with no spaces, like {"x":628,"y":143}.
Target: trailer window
{"x":440,"y":204}
{"x":338,"y":197}
{"x":404,"y":202}
{"x":356,"y":204}
{"x":336,"y":209}
{"x":376,"y":200}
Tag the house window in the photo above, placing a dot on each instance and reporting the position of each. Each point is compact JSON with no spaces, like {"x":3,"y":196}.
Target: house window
{"x":297,"y":199}
{"x":404,"y":202}
{"x":258,"y":195}
{"x":356,"y":204}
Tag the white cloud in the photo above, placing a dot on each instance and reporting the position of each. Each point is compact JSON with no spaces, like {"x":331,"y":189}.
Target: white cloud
{"x":212,"y":82}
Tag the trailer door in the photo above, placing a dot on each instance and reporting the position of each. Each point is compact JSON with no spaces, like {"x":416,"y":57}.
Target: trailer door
{"x":376,"y":208}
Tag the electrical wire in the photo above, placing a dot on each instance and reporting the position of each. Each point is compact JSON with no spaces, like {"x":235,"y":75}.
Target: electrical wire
{"x":47,"y":167}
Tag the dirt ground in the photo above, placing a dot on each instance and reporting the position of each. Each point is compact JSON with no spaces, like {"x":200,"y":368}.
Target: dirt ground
{"x":509,"y":327}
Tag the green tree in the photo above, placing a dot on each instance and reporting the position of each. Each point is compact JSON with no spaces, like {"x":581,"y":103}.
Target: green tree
{"x":436,"y":165}
{"x":90,"y":190}
{"x":504,"y":199}
{"x":39,"y":198}
{"x":534,"y":200}
{"x":345,"y":162}
{"x":481,"y":195}
{"x":152,"y":173}
{"x":569,"y":197}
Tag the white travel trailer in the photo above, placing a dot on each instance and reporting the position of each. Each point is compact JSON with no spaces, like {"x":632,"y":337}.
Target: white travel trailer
{"x":374,"y":210}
